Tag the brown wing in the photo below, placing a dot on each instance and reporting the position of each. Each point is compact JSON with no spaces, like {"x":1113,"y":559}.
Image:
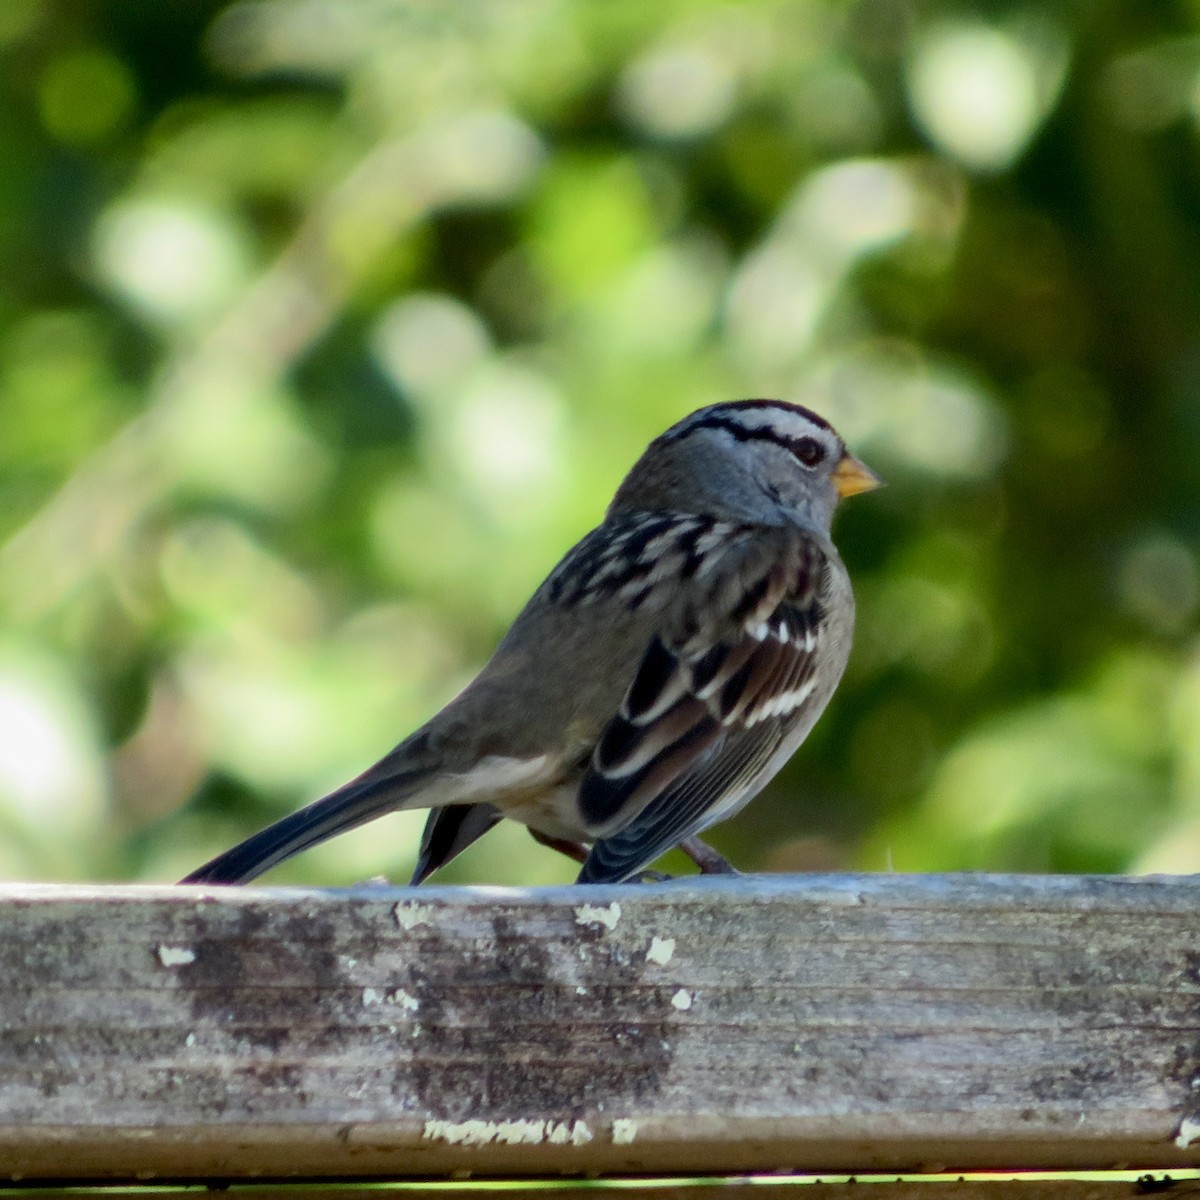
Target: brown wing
{"x":716,"y":691}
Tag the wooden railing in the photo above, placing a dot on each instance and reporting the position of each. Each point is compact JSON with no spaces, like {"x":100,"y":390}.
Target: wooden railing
{"x":875,"y":1024}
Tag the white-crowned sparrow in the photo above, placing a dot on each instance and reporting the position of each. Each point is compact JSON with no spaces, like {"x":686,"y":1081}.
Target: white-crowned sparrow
{"x":662,"y":674}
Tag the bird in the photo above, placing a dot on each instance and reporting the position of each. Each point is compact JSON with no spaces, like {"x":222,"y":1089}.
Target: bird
{"x":660,"y":676}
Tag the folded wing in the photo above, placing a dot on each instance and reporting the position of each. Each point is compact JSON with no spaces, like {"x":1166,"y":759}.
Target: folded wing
{"x":713,"y":699}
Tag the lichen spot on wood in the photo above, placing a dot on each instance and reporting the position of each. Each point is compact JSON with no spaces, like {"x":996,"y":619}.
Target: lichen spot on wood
{"x":176,"y":956}
{"x":598,"y":914}
{"x":1189,"y":1131}
{"x":624,"y":1131}
{"x":661,"y":951}
{"x":372,"y":996}
{"x":507,"y":1133}
{"x":409,"y":914}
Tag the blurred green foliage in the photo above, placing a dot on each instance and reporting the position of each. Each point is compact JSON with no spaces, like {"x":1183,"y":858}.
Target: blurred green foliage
{"x":326,"y":326}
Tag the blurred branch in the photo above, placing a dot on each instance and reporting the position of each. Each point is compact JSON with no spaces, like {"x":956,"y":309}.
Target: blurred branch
{"x":474,"y":157}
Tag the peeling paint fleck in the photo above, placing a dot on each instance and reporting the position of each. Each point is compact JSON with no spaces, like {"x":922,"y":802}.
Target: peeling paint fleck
{"x":595,"y":914}
{"x":176,"y":956}
{"x":624,"y":1131}
{"x":682,"y":1000}
{"x":1189,"y":1131}
{"x":371,"y":996}
{"x":661,"y":951}
{"x":507,"y":1133}
{"x":409,"y":914}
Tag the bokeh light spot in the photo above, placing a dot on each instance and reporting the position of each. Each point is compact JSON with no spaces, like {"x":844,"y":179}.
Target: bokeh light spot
{"x":507,"y":438}
{"x":174,"y":261}
{"x":856,"y":206}
{"x":1157,"y":582}
{"x":976,"y":92}
{"x":49,"y":764}
{"x":85,"y":95}
{"x":428,"y":344}
{"x":677,"y":92}
{"x":927,"y":417}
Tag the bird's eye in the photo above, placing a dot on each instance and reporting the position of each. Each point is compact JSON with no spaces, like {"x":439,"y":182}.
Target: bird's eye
{"x":808,"y":450}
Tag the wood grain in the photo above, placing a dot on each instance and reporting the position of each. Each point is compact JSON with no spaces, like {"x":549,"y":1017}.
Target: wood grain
{"x":817,"y":1023}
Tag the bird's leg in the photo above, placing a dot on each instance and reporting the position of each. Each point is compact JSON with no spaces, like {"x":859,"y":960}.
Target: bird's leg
{"x":706,"y":858}
{"x":576,"y":850}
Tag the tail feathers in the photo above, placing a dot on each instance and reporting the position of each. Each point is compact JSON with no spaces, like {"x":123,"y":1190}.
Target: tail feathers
{"x":448,"y":832}
{"x":359,"y":801}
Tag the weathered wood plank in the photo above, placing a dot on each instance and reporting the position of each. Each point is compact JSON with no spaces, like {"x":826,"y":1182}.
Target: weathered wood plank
{"x":836,"y":1023}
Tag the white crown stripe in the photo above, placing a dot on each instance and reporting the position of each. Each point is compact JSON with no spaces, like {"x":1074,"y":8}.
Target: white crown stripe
{"x":789,"y":420}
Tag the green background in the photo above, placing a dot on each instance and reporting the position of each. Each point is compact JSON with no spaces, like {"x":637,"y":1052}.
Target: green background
{"x":327,"y":326}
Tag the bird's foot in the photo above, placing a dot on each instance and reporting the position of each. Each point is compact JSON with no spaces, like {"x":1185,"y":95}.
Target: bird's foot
{"x":706,"y":858}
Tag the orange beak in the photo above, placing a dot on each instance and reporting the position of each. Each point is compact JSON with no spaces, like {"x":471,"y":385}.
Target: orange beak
{"x":851,"y":477}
